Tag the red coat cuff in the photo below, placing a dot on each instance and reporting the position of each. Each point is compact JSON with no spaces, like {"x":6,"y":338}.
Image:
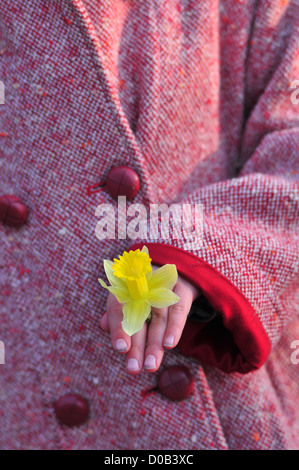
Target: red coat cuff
{"x":234,"y":342}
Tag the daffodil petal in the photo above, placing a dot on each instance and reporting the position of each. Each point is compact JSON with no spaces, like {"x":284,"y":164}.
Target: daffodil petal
{"x":144,"y":250}
{"x":135,"y":314}
{"x":149,"y":275}
{"x":121,"y":293}
{"x":114,"y":281}
{"x":162,"y":297}
{"x":103,"y":283}
{"x":166,"y":277}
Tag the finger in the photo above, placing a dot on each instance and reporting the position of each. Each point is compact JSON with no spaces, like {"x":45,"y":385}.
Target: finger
{"x":135,"y":355}
{"x":120,"y":340}
{"x":156,"y":331}
{"x":104,"y":323}
{"x":177,"y":315}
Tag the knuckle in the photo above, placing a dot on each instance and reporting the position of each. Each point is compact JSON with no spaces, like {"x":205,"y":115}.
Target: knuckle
{"x":155,"y":350}
{"x":134,"y":351}
{"x":116,"y":333}
{"x":178,"y":309}
{"x":158,"y":319}
{"x":158,"y":314}
{"x":114,"y":308}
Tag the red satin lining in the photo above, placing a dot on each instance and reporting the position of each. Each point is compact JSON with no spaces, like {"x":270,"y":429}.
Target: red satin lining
{"x":236,"y":342}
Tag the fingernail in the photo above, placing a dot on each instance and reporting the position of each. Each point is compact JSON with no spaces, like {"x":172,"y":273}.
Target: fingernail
{"x":121,"y":345}
{"x":169,"y":341}
{"x":150,"y":362}
{"x":133,"y":364}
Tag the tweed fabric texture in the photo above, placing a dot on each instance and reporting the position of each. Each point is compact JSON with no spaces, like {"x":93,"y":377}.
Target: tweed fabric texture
{"x":195,"y":96}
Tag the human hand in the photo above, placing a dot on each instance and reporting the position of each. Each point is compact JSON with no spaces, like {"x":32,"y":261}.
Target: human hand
{"x":163,"y":331}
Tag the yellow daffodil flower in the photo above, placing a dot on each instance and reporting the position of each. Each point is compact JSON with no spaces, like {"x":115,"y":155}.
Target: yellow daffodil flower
{"x":138,"y":287}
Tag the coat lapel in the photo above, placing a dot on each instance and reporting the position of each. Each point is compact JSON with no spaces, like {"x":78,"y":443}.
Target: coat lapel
{"x":144,"y":43}
{"x":104,"y":76}
{"x":113,"y":102}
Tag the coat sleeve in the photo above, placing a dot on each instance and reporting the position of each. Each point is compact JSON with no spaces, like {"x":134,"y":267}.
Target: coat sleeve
{"x":246,"y":263}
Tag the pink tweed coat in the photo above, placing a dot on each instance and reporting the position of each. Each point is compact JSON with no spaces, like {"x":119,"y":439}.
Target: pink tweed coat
{"x":198,"y":98}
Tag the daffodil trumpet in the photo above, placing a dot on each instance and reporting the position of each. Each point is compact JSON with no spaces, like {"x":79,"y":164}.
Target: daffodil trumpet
{"x":138,"y":287}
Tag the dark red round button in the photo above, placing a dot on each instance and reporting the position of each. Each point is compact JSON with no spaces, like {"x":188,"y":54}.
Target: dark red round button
{"x":71,"y":410}
{"x":13,"y":212}
{"x":123,"y":181}
{"x":176,"y":382}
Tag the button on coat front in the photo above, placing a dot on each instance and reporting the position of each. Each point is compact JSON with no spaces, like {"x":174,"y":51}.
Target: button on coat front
{"x":123,"y":181}
{"x":13,"y":211}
